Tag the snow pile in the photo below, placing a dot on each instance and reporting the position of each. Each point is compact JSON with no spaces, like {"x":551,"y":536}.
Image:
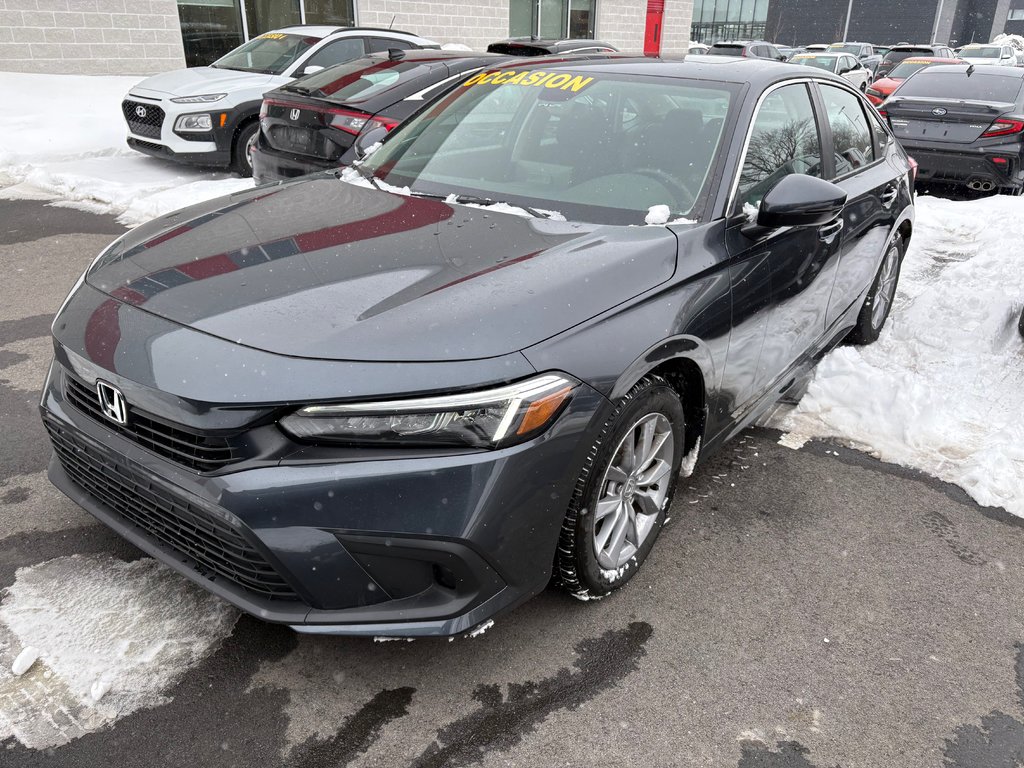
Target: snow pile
{"x":1014,"y":40}
{"x":63,"y":137}
{"x":111,"y":638}
{"x":942,"y":390}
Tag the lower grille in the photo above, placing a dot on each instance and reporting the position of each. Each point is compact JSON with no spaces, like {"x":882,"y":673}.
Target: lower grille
{"x":215,"y":547}
{"x":143,"y":119}
{"x":195,"y":450}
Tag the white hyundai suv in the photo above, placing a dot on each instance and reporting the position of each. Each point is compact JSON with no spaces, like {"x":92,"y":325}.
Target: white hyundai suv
{"x":210,"y":115}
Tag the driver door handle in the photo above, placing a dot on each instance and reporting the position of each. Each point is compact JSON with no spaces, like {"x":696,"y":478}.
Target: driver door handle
{"x":828,"y":232}
{"x":889,"y":195}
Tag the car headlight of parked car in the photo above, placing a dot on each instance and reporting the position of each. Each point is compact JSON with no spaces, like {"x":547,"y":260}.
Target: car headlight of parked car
{"x":197,"y":123}
{"x":206,"y":98}
{"x":492,"y":418}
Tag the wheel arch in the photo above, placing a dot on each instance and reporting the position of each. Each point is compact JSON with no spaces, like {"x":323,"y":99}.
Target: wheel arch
{"x":686,"y":364}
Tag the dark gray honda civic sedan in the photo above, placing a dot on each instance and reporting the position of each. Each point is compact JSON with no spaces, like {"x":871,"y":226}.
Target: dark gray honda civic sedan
{"x":400,"y":398}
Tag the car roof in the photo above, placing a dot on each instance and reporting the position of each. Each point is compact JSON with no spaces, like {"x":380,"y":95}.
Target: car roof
{"x":325,"y":30}
{"x":991,"y":69}
{"x":917,"y":46}
{"x":543,"y":46}
{"x":851,"y":42}
{"x":695,"y":66}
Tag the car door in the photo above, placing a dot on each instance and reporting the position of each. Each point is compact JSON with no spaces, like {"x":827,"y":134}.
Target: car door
{"x":780,"y":278}
{"x":857,"y":142}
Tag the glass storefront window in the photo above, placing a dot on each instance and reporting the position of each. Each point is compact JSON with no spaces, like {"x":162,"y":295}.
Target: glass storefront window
{"x":212,"y":28}
{"x":552,"y":19}
{"x":716,"y":20}
{"x":209,"y":29}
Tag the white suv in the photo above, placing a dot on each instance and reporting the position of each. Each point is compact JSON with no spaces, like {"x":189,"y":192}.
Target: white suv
{"x":210,"y":115}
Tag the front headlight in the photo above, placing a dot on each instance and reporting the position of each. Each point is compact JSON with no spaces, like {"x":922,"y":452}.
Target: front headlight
{"x":493,"y":418}
{"x":196,"y":123}
{"x":206,"y":98}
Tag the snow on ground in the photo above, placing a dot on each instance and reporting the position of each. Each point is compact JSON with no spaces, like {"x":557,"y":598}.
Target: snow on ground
{"x":942,"y":390}
{"x":62,"y":137}
{"x":112,"y":637}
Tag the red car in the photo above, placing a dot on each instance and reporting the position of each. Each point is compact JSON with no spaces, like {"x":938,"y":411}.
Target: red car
{"x":880,"y":90}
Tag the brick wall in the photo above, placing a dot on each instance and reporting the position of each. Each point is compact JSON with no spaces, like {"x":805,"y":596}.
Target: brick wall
{"x":474,"y":23}
{"x":623,"y":22}
{"x":92,"y":37}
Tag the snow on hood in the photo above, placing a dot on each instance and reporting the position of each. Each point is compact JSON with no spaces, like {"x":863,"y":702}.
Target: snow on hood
{"x":199,"y":80}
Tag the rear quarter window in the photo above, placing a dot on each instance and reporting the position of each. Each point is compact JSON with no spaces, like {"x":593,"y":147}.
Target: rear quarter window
{"x":957,"y":86}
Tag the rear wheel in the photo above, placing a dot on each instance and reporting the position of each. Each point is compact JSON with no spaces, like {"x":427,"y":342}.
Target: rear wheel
{"x":241,"y":154}
{"x":623,"y":492}
{"x":878,"y":303}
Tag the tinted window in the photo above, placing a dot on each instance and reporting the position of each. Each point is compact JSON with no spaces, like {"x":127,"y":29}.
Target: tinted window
{"x":783,"y":141}
{"x":356,"y":81}
{"x":595,"y":147}
{"x":384,"y":44}
{"x":851,"y":136}
{"x":956,"y":85}
{"x":907,"y":68}
{"x":337,"y":52}
{"x":726,"y":50}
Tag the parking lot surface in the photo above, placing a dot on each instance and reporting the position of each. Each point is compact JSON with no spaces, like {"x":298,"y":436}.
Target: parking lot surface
{"x":804,"y":609}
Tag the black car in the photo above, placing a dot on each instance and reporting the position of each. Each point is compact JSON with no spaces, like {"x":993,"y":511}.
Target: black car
{"x":963,"y":124}
{"x":397,"y":398}
{"x":530,"y":46}
{"x":312,"y":123}
{"x":898,"y":53}
{"x":753,"y":49}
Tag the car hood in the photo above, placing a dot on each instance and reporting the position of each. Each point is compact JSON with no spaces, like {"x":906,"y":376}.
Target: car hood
{"x":199,"y":80}
{"x":321,"y":268}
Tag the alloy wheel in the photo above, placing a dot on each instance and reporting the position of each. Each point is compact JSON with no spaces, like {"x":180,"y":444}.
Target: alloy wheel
{"x":633,"y":490}
{"x":886,"y":287}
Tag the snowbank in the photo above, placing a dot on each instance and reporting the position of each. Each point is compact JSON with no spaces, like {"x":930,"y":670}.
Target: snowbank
{"x":942,"y":390}
{"x":62,"y":137}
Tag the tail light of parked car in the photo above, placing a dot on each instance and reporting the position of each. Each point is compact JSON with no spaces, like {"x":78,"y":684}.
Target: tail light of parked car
{"x":358,"y":122}
{"x":1004,"y":127}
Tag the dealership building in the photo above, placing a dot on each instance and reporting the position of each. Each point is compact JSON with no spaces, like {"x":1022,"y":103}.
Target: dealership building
{"x":148,"y":36}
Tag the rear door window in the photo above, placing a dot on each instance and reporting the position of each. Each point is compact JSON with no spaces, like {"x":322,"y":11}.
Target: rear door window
{"x":384,"y":44}
{"x":337,"y":52}
{"x":851,"y":134}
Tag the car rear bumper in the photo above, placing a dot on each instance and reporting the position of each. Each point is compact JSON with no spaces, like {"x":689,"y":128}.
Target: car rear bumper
{"x":956,"y":163}
{"x":426,"y":545}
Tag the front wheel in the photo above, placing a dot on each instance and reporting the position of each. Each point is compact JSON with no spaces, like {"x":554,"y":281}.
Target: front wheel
{"x":623,"y":492}
{"x":878,"y":303}
{"x":241,"y":152}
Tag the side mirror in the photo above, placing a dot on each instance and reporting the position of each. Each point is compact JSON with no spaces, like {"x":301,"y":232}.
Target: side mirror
{"x":366,"y":140}
{"x":312,"y":69}
{"x":801,"y":201}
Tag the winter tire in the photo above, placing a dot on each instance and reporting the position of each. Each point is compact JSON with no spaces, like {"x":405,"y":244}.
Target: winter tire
{"x":878,"y":303}
{"x":241,"y":157}
{"x":623,"y":492}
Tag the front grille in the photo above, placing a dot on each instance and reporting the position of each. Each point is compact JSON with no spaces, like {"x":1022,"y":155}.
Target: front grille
{"x":214,"y":547}
{"x":195,"y":450}
{"x":146,"y":124}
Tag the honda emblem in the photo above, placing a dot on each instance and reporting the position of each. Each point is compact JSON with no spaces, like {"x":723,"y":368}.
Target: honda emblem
{"x":112,"y":403}
{"x":294,"y":114}
{"x":140,"y":111}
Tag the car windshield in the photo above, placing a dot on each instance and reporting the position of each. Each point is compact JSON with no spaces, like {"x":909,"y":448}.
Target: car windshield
{"x":828,"y":63}
{"x":269,"y":54}
{"x":598,"y":148}
{"x":986,"y":52}
{"x":907,"y":68}
{"x":854,"y":49}
{"x":954,"y":85}
{"x":357,"y":81}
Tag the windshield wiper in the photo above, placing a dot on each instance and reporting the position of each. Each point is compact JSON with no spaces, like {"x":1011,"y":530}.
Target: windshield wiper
{"x":483,"y":201}
{"x":304,"y":91}
{"x":362,"y":172}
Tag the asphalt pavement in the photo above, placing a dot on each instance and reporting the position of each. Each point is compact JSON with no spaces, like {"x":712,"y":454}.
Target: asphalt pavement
{"x":805,"y":608}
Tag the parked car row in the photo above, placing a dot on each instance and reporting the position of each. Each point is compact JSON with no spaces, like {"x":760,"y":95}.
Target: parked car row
{"x":402,"y":397}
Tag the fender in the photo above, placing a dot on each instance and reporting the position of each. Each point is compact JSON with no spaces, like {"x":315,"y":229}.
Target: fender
{"x":681,"y":347}
{"x":237,"y":115}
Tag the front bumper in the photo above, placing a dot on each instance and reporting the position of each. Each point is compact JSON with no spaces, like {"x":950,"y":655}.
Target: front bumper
{"x":963,"y":163}
{"x":428,"y":545}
